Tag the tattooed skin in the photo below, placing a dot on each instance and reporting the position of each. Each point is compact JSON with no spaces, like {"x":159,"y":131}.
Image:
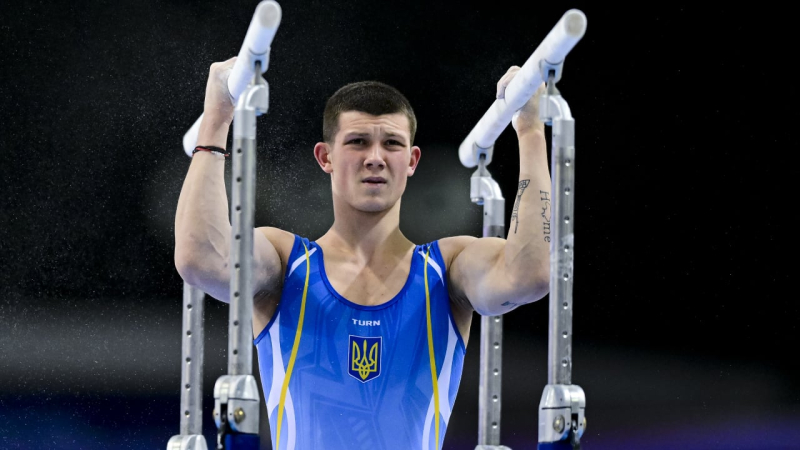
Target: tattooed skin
{"x":515,"y":214}
{"x":511,"y":304}
{"x":546,"y":215}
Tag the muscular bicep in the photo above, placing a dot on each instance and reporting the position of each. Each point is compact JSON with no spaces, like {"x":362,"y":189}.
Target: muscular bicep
{"x":214,"y":277}
{"x":478,"y":276}
{"x":268,"y":246}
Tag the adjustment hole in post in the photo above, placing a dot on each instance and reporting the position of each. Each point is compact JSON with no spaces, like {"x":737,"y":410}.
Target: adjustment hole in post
{"x":238,"y":208}
{"x":189,"y":306}
{"x":496,"y":345}
{"x":187,"y":413}
{"x":566,"y":219}
{"x":236,"y":352}
{"x":494,"y":398}
{"x":236,"y":323}
{"x":496,"y":371}
{"x":188,"y":359}
{"x":496,"y":320}
{"x":238,"y":179}
{"x":235,"y":294}
{"x":188,"y":385}
{"x":238,"y":237}
{"x":236,"y":265}
{"x":566,"y":191}
{"x":238,"y":150}
{"x":188,"y":333}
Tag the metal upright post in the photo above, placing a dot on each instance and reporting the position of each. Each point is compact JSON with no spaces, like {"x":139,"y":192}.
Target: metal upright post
{"x":561,"y":409}
{"x":236,"y":394}
{"x":191,"y":437}
{"x":485,"y":191}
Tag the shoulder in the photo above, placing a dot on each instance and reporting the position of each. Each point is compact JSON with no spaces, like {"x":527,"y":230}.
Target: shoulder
{"x":451,"y":247}
{"x":283,"y":241}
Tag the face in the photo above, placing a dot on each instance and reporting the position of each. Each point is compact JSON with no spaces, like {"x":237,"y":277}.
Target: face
{"x":370,"y":160}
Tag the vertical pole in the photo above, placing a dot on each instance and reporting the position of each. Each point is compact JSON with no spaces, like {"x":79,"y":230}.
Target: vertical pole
{"x":240,"y":327}
{"x":192,"y":357}
{"x":489,"y":391}
{"x":559,"y":357}
{"x":236,"y":396}
{"x":562,"y":407}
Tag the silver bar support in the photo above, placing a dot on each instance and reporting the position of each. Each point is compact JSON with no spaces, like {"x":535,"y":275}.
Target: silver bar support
{"x":236,"y":398}
{"x":192,"y":357}
{"x":485,"y":191}
{"x":562,"y":406}
{"x":240,"y":326}
{"x":489,"y":391}
{"x":192,"y":333}
{"x":562,"y":248}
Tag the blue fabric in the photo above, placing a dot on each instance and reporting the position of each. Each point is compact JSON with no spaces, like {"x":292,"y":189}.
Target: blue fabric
{"x":241,"y":442}
{"x":362,"y":375}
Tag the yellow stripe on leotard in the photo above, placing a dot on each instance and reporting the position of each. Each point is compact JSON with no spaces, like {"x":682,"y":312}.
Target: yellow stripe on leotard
{"x":297,"y":335}
{"x":430,"y":351}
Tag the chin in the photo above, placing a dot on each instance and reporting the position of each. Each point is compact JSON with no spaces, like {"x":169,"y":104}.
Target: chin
{"x":372,"y":205}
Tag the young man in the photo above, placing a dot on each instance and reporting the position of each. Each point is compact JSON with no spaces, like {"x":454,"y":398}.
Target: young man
{"x":361,"y":334}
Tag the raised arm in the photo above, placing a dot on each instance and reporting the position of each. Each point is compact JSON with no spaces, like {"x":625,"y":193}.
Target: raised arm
{"x":496,"y":275}
{"x":202,"y":223}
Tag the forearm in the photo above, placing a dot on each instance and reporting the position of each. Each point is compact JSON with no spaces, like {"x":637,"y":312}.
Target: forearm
{"x":527,"y":248}
{"x":202,"y":225}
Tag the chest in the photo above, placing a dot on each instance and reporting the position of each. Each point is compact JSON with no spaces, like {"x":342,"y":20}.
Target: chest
{"x":368,"y":285}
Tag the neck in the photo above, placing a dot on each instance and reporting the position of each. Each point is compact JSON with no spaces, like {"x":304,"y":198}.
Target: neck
{"x":366,"y":235}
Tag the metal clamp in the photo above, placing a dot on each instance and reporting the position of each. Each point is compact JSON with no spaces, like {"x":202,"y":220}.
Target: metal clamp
{"x":561,"y":410}
{"x":194,"y":442}
{"x":485,"y":191}
{"x":236,"y":403}
{"x":547,"y":68}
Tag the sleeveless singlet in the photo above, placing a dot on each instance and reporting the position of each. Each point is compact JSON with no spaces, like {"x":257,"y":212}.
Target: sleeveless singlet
{"x":338,"y":375}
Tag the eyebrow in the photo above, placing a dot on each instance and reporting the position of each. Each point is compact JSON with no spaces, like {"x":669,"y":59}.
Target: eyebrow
{"x":357,"y":134}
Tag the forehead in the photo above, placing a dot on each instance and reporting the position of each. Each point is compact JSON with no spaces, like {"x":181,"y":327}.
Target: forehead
{"x":360,"y":122}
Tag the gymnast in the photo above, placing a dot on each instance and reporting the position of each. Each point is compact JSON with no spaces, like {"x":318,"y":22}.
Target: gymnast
{"x":361,"y":333}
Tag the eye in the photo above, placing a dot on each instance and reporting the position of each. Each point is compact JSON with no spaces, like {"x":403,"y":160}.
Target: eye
{"x":393,"y":142}
{"x":356,"y":141}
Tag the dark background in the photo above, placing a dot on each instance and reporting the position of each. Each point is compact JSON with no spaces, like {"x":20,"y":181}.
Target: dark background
{"x":685,"y":308}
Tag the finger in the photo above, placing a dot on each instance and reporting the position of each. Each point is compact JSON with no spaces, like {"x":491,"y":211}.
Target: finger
{"x":506,"y":80}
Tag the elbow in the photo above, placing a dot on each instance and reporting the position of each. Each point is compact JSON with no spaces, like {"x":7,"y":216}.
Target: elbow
{"x":539,"y":283}
{"x":185,"y":268}
{"x":191,"y":266}
{"x":528,"y":291}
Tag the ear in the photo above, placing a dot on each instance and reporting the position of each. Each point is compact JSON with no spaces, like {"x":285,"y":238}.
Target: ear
{"x":322,"y":152}
{"x":416,"y":153}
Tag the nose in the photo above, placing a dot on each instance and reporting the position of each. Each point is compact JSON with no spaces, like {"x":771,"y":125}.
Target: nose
{"x":374,"y":158}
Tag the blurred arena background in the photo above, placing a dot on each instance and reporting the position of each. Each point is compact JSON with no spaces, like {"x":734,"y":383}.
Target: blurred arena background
{"x":685,"y":306}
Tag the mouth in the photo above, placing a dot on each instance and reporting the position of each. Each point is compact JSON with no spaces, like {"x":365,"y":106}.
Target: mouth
{"x":374,"y":181}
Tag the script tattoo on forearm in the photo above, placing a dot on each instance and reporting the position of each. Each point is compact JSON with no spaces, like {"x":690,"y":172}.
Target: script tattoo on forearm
{"x":515,"y":214}
{"x":546,"y":214}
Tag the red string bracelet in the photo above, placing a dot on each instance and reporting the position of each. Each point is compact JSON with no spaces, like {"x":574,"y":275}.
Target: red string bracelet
{"x":212,"y":149}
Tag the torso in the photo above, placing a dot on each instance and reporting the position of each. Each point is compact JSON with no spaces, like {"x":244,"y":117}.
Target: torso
{"x":371,"y":285}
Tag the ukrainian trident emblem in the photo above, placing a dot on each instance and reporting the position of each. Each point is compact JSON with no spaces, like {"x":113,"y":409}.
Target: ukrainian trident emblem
{"x":365,"y":357}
